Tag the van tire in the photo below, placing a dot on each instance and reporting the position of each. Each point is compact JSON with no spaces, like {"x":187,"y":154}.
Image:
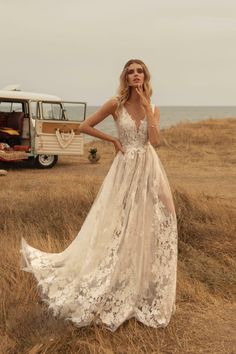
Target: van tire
{"x":45,"y":161}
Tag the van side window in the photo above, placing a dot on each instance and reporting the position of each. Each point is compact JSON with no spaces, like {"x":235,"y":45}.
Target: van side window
{"x":52,"y":111}
{"x":11,"y":107}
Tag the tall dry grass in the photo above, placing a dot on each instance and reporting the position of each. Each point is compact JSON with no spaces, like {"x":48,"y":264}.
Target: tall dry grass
{"x":48,"y":208}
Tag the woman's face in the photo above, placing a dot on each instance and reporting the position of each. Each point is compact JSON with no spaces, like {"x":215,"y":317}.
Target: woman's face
{"x":135,"y":75}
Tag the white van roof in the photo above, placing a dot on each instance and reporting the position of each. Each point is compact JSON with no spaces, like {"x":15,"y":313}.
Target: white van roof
{"x":28,"y":96}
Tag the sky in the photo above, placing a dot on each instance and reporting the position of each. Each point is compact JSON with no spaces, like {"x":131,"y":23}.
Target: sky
{"x":76,"y":49}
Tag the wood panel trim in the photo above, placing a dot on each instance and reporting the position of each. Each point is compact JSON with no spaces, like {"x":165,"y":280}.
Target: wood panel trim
{"x":50,"y":128}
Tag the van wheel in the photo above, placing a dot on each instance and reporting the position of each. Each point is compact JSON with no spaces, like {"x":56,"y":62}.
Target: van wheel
{"x":45,"y":161}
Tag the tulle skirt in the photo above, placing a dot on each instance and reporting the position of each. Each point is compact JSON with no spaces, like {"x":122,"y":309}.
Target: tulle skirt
{"x":123,"y":261}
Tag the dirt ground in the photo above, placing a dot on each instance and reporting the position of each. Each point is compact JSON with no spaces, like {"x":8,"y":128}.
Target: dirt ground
{"x":48,"y":207}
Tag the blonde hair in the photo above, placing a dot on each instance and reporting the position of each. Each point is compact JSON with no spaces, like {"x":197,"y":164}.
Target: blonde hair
{"x":124,"y":90}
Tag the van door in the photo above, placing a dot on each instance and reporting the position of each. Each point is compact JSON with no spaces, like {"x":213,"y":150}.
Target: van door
{"x":57,"y":130}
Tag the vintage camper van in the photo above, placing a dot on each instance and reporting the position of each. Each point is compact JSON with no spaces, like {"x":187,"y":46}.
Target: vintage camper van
{"x":39,"y":127}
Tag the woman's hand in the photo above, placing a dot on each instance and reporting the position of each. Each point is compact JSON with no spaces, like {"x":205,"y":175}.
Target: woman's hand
{"x":143,"y":99}
{"x":118,"y":146}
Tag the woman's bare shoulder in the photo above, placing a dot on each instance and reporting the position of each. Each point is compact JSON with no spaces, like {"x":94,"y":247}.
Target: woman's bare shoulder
{"x":114,"y":101}
{"x":112,"y":104}
{"x":157,"y":109}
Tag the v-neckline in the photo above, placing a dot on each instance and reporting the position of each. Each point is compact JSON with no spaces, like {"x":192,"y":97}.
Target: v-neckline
{"x":141,"y":120}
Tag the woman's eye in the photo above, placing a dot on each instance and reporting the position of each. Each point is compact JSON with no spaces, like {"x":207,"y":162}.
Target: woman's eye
{"x":139,"y":71}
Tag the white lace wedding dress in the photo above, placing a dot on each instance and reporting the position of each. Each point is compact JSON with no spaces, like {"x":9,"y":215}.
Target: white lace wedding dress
{"x":123,"y":262}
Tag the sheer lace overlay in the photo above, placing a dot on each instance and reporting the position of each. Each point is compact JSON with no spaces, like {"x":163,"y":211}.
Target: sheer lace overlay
{"x":123,"y":262}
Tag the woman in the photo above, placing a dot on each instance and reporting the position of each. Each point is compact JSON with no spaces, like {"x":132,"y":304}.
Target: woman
{"x":123,"y":262}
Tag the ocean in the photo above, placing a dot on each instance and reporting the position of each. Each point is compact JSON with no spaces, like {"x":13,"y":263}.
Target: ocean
{"x":170,"y":115}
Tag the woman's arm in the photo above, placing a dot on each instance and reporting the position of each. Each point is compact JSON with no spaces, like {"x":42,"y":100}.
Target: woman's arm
{"x":153,"y":125}
{"x":86,"y":127}
{"x":153,"y":119}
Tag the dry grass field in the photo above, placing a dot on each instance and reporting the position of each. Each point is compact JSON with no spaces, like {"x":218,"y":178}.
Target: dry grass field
{"x":49,"y":207}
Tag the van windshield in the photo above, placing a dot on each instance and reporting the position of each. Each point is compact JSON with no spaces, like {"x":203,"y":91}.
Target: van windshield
{"x":74,"y":111}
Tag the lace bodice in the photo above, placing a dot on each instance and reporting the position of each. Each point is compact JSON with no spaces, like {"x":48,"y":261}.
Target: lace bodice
{"x":130,"y":135}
